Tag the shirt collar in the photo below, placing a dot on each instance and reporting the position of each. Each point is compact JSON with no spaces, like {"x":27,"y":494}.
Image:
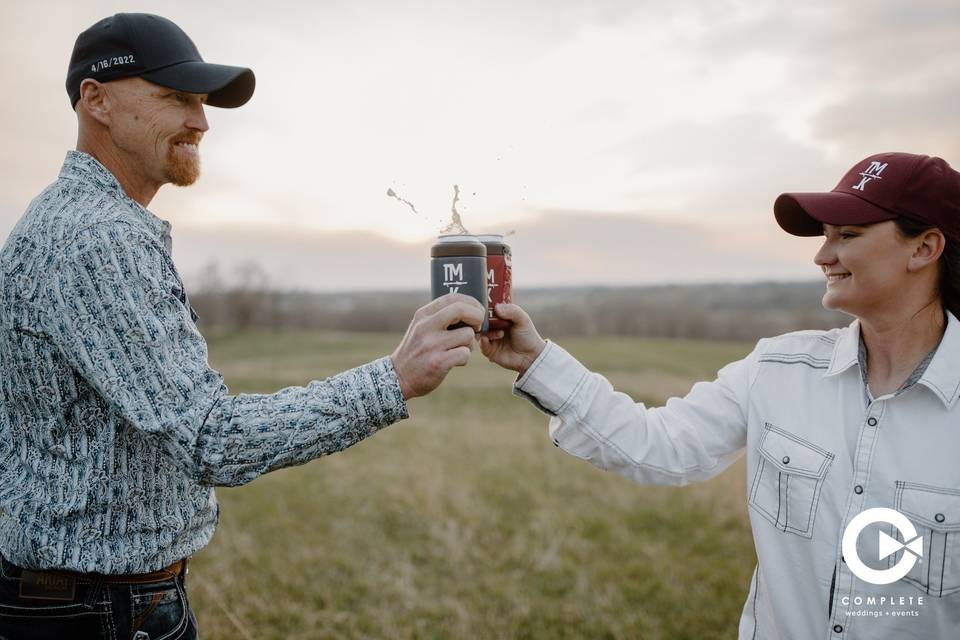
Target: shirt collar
{"x":942,"y":375}
{"x":846,"y":350}
{"x":85,"y":168}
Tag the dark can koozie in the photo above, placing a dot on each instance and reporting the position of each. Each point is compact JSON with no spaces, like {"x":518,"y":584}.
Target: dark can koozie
{"x":458,"y":264}
{"x":499,"y":276}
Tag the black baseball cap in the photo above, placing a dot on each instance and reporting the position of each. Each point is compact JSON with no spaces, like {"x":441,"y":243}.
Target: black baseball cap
{"x":156,"y":49}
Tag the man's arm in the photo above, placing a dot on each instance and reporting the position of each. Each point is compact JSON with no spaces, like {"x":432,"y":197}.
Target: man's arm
{"x":119,"y":322}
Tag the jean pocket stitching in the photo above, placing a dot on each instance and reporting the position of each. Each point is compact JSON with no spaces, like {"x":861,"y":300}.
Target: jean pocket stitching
{"x":138,"y":594}
{"x":55,"y":611}
{"x":181,"y":626}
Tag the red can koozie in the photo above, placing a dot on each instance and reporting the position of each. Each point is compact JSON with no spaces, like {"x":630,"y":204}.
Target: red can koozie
{"x":499,"y":277}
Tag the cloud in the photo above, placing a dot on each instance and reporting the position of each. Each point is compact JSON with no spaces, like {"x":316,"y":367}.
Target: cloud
{"x":850,"y":42}
{"x":734,"y":167}
{"x":688,"y":116}
{"x":857,"y":77}
{"x":917,"y":120}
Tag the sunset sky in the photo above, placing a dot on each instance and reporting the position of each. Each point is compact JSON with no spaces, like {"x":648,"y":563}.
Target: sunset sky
{"x":626,"y":141}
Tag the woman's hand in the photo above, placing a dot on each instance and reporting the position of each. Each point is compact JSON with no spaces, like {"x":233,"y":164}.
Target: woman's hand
{"x":517,"y":347}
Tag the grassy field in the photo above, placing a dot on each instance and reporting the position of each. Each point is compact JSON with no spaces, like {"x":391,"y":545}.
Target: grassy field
{"x":465,"y":521}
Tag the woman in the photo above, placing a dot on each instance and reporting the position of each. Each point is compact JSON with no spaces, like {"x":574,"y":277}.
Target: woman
{"x":832,"y":422}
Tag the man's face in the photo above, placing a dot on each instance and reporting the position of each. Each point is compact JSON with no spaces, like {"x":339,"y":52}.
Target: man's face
{"x":159,"y":129}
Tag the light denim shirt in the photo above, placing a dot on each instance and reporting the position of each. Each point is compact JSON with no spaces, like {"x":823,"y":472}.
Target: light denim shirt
{"x":819,"y":451}
{"x":113,"y":427}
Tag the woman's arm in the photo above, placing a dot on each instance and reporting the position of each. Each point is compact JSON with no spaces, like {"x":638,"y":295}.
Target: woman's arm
{"x":687,"y":440}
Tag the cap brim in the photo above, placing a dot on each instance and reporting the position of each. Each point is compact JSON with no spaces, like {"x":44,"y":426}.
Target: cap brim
{"x":804,"y":214}
{"x":225,"y":86}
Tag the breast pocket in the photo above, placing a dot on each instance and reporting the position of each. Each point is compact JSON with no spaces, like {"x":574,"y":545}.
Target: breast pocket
{"x":935,"y":512}
{"x":786,"y":486}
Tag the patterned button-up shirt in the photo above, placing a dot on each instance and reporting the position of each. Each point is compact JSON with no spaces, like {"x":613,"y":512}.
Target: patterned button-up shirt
{"x":113,"y":427}
{"x":820,"y":449}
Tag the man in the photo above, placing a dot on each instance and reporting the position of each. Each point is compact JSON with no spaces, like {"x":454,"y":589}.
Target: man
{"x":113,"y":428}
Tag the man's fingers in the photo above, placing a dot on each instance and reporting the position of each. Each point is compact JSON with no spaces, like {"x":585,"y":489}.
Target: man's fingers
{"x":471,"y":314}
{"x":462,"y":337}
{"x":457,"y":357}
{"x":443,"y":301}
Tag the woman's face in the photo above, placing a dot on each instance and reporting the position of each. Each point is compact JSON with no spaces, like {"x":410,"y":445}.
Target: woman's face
{"x":865,"y":267}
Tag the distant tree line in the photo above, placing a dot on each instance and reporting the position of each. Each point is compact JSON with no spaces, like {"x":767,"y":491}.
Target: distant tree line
{"x":713,"y":311}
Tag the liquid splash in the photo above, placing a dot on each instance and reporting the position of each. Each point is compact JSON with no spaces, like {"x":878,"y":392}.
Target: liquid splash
{"x":456,"y":224}
{"x":393,"y":194}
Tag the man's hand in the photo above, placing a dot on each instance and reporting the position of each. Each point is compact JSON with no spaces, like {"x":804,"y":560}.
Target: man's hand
{"x":428,"y":350}
{"x":514,"y":348}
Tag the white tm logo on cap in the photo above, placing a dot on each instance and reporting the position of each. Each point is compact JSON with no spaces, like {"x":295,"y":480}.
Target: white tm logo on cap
{"x":871,"y":172}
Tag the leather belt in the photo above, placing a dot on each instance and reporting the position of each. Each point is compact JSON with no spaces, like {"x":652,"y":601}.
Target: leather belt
{"x":167,"y":573}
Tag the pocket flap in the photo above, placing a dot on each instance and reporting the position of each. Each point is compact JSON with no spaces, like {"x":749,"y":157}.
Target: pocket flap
{"x":793,"y":455}
{"x":934,"y":507}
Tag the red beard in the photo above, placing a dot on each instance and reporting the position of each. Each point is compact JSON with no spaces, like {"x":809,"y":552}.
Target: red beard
{"x":182,"y":169}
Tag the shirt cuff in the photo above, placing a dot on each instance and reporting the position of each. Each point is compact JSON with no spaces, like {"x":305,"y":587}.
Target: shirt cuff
{"x":379,"y":397}
{"x":552,"y":380}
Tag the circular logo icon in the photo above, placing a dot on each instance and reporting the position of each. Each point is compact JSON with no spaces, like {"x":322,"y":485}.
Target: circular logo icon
{"x":913,"y":545}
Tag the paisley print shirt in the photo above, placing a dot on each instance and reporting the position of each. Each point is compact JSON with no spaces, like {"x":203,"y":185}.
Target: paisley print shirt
{"x":113,"y":427}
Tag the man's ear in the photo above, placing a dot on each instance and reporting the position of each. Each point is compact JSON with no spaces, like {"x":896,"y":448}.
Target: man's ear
{"x":929,"y":248}
{"x":95,"y":100}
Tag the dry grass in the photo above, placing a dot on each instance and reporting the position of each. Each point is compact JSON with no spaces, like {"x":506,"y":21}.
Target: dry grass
{"x":466,"y":522}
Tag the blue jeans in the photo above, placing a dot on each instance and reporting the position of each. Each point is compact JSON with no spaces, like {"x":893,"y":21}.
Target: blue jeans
{"x":97,"y":611}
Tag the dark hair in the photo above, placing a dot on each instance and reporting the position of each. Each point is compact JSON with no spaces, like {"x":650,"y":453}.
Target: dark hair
{"x":949,"y":284}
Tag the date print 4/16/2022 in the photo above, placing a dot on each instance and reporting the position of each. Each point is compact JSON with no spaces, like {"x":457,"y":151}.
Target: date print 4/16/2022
{"x":106,"y":63}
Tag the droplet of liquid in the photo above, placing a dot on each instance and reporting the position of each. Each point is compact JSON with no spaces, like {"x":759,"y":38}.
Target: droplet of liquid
{"x":393,"y":194}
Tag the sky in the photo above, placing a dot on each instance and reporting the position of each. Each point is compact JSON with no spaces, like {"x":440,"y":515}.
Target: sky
{"x":624,"y":141}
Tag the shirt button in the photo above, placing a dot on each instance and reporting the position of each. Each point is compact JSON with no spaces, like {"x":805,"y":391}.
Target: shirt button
{"x":786,"y":459}
{"x":939,"y":517}
{"x":858,"y":489}
{"x":872,"y":422}
{"x":837,"y":628}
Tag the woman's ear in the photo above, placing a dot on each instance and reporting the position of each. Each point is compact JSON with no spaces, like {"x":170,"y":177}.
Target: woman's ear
{"x":928,"y":247}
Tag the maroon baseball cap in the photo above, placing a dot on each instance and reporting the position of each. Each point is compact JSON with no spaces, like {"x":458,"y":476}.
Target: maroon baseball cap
{"x":882,"y":187}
